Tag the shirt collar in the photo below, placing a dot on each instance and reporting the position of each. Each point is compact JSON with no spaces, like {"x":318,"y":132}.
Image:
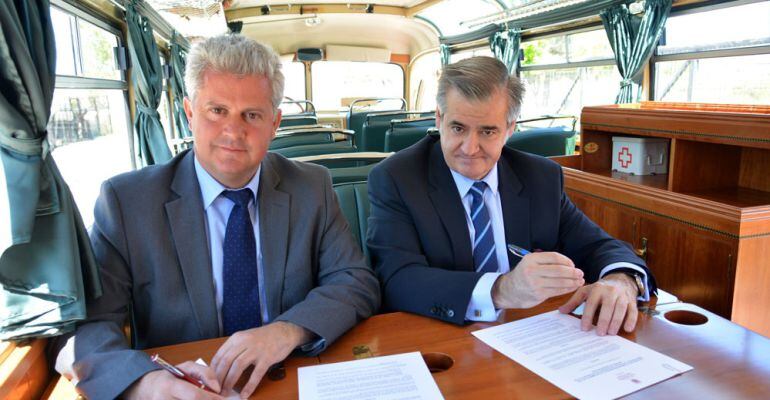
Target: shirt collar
{"x":211,"y":188}
{"x":464,"y":183}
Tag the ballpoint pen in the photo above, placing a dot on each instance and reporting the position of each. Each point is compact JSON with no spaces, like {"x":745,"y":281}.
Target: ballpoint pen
{"x":179,"y":373}
{"x":516,"y":250}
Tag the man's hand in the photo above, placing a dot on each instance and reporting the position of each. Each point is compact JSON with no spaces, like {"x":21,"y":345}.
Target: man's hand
{"x":162,"y":385}
{"x":616,"y":294}
{"x":537,"y":277}
{"x":259,"y":347}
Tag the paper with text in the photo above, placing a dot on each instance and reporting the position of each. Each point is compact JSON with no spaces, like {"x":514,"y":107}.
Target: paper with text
{"x":397,"y":377}
{"x":582,"y":364}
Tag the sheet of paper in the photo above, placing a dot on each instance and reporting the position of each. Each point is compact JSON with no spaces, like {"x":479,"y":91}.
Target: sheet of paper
{"x":397,"y":377}
{"x":582,"y":364}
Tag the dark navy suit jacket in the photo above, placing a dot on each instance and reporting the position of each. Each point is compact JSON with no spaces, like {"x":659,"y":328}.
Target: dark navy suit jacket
{"x":419,"y":240}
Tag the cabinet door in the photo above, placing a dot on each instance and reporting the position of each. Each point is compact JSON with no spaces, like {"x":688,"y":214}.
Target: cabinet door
{"x":620,"y":222}
{"x":694,"y":265}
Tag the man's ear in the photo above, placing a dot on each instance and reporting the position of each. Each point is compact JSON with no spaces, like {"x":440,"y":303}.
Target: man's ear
{"x":438,"y":118}
{"x":188,"y":111}
{"x":511,"y":129}
{"x":277,"y":121}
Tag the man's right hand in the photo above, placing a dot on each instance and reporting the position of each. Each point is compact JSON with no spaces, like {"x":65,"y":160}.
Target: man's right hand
{"x":161,"y":384}
{"x":537,"y":277}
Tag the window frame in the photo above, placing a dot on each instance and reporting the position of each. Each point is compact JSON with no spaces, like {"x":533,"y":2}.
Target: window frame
{"x":309,"y":78}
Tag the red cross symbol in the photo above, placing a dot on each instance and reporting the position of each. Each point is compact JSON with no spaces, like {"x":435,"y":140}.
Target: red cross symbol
{"x":625,"y":161}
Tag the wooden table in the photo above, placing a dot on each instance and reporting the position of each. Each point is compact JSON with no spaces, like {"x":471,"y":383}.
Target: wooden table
{"x":730,"y":362}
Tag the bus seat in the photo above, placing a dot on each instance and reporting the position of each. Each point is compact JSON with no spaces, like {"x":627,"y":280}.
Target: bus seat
{"x":298,"y":121}
{"x":355,"y":118}
{"x":354,"y":203}
{"x":546,"y":142}
{"x":403,"y":134}
{"x":376,"y":124}
{"x":316,"y":149}
{"x":347,"y":167}
{"x":282,"y":141}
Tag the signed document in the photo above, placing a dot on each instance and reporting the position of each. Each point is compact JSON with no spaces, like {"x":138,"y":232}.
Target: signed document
{"x":397,"y":377}
{"x":581,"y":363}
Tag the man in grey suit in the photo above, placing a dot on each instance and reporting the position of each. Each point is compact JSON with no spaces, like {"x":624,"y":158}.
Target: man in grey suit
{"x":226,"y":239}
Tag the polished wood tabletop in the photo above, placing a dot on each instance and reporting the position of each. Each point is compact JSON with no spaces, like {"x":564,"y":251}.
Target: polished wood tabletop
{"x":730,"y":362}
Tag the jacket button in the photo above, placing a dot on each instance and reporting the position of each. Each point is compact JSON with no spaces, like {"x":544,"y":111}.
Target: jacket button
{"x":450,"y":313}
{"x":433,"y":310}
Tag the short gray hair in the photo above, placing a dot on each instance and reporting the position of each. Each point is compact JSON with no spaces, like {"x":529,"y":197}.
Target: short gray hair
{"x":234,"y":54}
{"x":477,"y":78}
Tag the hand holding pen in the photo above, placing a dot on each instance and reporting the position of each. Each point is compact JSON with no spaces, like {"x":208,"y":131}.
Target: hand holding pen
{"x":537,"y":277}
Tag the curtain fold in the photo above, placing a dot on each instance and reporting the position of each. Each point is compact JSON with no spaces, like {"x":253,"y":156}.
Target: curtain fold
{"x":147,"y":79}
{"x":506,"y":47}
{"x":445,"y":52}
{"x":633,"y":39}
{"x":47,"y":267}
{"x":178,"y":62}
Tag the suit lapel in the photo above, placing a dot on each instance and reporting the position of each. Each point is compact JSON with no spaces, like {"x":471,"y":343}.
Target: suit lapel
{"x":443,"y":194}
{"x":515,"y":203}
{"x":274,"y":208}
{"x":186,"y":218}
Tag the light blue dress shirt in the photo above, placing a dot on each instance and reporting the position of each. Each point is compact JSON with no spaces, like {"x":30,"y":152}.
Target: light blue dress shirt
{"x":481,"y":307}
{"x":217,"y":209}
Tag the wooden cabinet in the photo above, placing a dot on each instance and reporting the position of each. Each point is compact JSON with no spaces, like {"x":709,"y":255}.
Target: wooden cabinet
{"x":704,"y":227}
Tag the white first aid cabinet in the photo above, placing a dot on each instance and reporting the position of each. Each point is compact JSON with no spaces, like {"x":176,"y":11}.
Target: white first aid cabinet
{"x":640,"y":156}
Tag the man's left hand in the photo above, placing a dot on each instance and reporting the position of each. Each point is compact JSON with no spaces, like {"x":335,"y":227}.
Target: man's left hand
{"x":616,"y":294}
{"x":259,"y":347}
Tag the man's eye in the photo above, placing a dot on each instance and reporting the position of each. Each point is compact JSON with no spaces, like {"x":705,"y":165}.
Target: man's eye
{"x":488,"y":132}
{"x":217,"y":110}
{"x":252,"y":116}
{"x":457,"y":129}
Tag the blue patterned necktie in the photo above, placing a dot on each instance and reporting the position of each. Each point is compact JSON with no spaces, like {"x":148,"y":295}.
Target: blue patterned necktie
{"x":240,"y":295}
{"x":484,"y":257}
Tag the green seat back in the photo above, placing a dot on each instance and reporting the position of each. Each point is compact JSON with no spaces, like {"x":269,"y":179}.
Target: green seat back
{"x":298,"y":121}
{"x":375,"y":127}
{"x":546,"y":142}
{"x":280,"y":142}
{"x":403,"y":135}
{"x":354,"y":203}
{"x":350,"y":174}
{"x":316,"y":149}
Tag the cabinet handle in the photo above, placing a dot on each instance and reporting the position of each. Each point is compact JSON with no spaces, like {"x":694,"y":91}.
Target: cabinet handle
{"x":642,"y":253}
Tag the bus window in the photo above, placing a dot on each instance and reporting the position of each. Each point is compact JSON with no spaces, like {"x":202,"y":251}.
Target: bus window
{"x":335,"y":83}
{"x":423,"y":81}
{"x":699,"y":64}
{"x":294,"y":72}
{"x":476,"y":52}
{"x":566,"y":72}
{"x":89,"y":126}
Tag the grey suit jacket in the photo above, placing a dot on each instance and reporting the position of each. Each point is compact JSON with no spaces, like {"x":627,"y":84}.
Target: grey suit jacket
{"x":150,"y":241}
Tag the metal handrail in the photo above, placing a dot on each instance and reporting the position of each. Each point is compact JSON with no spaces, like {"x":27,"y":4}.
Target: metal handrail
{"x":401,"y":99}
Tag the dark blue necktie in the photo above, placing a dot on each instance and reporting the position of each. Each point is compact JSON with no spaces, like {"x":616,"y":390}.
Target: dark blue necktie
{"x":240,"y":295}
{"x":484,"y":257}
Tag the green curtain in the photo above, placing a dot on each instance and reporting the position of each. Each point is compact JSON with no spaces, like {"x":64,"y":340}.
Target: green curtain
{"x":446,"y":53}
{"x":47,"y":267}
{"x":633,"y":39}
{"x":147,"y":79}
{"x":506,"y":46}
{"x":178,"y":61}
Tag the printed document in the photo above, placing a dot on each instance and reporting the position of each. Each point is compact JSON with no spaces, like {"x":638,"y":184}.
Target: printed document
{"x":397,"y":377}
{"x":582,"y":364}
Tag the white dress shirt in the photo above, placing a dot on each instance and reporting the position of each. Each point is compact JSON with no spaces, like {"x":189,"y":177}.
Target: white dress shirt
{"x":481,"y":307}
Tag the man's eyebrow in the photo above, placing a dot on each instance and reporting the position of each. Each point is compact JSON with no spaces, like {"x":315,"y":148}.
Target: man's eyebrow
{"x":490,"y":127}
{"x":454,"y":122}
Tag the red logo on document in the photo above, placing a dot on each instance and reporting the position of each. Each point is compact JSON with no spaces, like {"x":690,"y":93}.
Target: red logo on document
{"x":625,"y":157}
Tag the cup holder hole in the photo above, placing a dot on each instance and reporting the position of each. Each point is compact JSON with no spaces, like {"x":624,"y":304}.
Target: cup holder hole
{"x":437,"y":362}
{"x":685,"y":317}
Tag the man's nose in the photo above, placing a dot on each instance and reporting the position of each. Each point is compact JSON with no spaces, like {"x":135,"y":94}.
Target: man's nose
{"x":470,"y":143}
{"x":234,"y":124}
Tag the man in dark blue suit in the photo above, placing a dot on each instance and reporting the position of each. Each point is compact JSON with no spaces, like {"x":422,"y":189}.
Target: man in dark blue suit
{"x":444,"y":210}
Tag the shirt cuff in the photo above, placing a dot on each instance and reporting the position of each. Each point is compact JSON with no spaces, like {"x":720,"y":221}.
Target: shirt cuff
{"x":481,"y":307}
{"x":618,"y":265}
{"x":313,"y":347}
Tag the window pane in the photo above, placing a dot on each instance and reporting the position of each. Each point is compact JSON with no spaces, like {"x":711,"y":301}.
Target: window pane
{"x":591,"y":45}
{"x":88,"y":132}
{"x":336,"y":83}
{"x":97,"y":52}
{"x":545,"y":51}
{"x":423,"y":82}
{"x":741,"y":80}
{"x":450,"y":15}
{"x":479,"y":51}
{"x":65,"y":51}
{"x":741,"y":26}
{"x":294,"y":72}
{"x":568,"y":90}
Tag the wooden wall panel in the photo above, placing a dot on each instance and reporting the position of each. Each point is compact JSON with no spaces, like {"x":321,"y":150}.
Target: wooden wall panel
{"x":752,"y":286}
